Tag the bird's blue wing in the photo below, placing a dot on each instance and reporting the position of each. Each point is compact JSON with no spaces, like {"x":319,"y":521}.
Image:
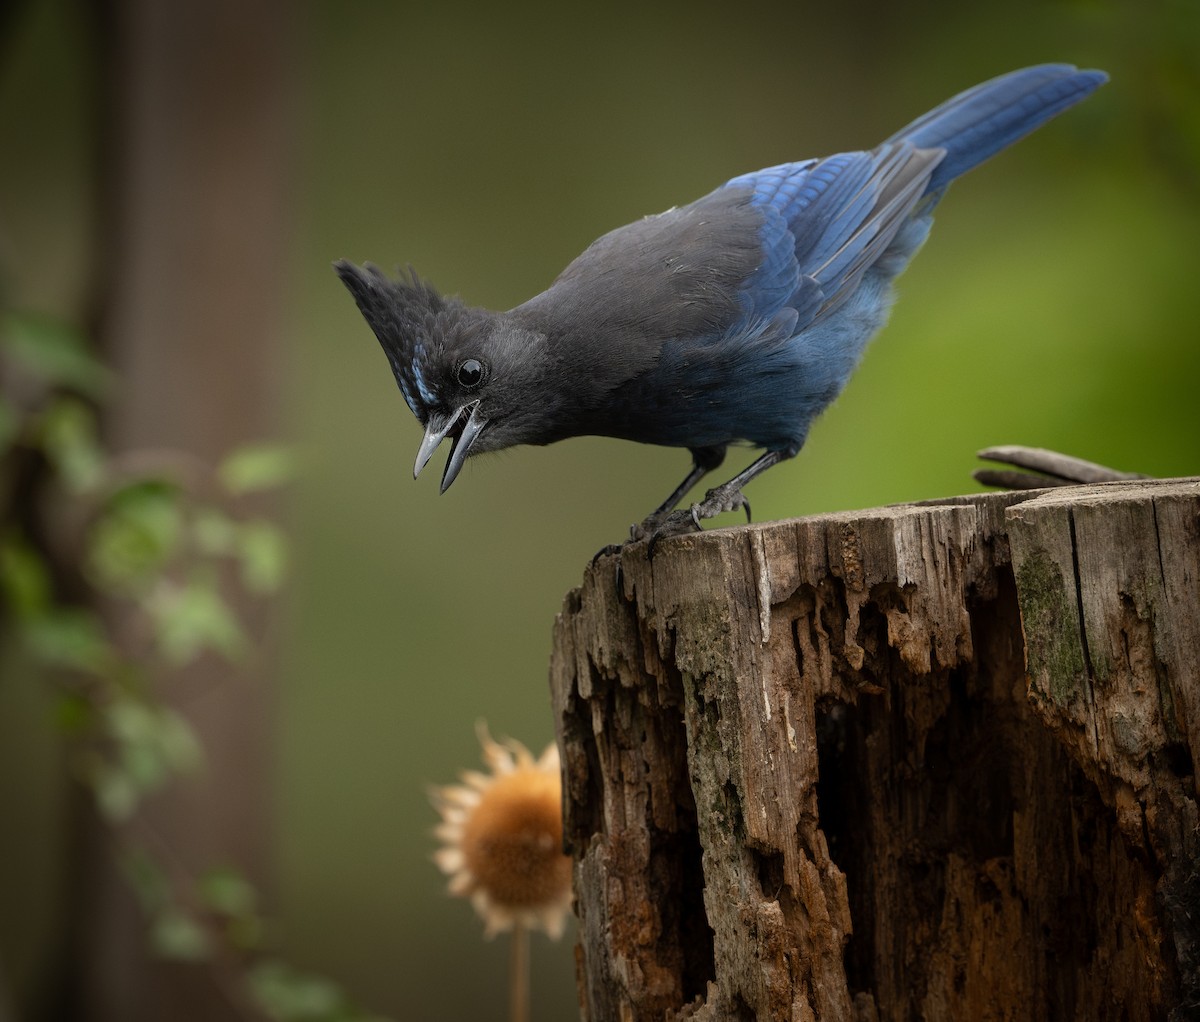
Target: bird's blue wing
{"x":826,"y":222}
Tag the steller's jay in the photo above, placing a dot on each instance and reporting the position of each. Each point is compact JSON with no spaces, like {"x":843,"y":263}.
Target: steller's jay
{"x":738,"y":317}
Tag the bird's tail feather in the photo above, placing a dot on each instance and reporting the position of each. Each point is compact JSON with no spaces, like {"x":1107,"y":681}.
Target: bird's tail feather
{"x":978,"y":123}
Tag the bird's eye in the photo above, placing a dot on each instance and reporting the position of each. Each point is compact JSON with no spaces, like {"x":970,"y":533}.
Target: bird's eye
{"x":470,"y":373}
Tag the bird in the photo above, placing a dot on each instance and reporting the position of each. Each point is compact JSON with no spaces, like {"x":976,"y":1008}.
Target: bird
{"x":735,"y":319}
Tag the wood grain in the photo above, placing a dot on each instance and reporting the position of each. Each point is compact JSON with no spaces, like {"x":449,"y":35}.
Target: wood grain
{"x":808,"y":777}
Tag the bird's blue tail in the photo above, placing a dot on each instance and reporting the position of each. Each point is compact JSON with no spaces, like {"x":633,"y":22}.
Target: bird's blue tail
{"x":978,"y":123}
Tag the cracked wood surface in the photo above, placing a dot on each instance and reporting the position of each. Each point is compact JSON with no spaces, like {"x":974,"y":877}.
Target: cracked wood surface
{"x":806,"y":775}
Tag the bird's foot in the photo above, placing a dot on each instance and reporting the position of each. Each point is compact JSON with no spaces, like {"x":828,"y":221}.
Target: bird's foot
{"x":654,"y":527}
{"x":604,"y":551}
{"x":718,"y":500}
{"x":664,"y":524}
{"x":661,"y":525}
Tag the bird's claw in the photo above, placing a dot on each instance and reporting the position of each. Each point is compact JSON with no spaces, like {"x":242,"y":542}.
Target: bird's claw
{"x":661,"y":525}
{"x":717,"y":501}
{"x":664,"y":524}
{"x":604,"y":551}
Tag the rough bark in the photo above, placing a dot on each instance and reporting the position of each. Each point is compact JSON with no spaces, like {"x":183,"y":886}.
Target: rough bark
{"x":807,"y":775}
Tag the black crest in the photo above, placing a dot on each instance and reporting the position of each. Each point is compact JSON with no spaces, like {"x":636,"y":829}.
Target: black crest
{"x":408,"y":316}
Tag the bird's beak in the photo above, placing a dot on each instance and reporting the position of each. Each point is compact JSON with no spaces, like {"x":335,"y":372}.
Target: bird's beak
{"x":436,"y":430}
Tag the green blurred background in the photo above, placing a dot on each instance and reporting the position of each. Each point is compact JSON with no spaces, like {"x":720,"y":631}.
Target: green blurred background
{"x":1055,"y":305}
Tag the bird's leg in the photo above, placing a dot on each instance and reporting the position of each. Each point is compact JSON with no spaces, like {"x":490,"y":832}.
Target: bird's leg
{"x":726,"y":497}
{"x":704,"y":460}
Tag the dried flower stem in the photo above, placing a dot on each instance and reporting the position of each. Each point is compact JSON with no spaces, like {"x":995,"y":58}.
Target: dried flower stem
{"x":519,"y":974}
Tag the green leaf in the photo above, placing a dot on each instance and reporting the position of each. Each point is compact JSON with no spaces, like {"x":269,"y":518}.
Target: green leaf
{"x":214,"y":532}
{"x":67,"y":432}
{"x":147,"y":880}
{"x":227,"y":892}
{"x":74,"y":713}
{"x":245,"y":932}
{"x":154,"y":739}
{"x":263,"y":552}
{"x":130,"y":720}
{"x":143,"y":766}
{"x":58,"y":636}
{"x":288,"y":995}
{"x":257,"y":467}
{"x":133,"y":727}
{"x":24,"y":580}
{"x":137,"y":534}
{"x":292,"y":996}
{"x":54,"y":352}
{"x":70,"y":637}
{"x":150,"y":745}
{"x":177,"y":741}
{"x":117,"y":794}
{"x":175,"y":934}
{"x":192,"y":618}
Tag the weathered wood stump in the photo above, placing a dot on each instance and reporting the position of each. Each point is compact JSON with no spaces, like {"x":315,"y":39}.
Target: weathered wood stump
{"x":924,"y":762}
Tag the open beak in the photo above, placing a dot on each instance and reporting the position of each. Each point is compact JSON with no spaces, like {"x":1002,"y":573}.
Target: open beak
{"x":438,"y":428}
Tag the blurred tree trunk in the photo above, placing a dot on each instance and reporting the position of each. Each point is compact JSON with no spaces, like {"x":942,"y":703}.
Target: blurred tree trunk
{"x":195,"y":180}
{"x":809,"y":774}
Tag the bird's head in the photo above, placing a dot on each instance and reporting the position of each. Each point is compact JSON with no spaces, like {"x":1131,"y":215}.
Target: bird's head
{"x":466,"y":373}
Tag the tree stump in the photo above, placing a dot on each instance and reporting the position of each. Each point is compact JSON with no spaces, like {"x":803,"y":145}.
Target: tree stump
{"x":933,"y":761}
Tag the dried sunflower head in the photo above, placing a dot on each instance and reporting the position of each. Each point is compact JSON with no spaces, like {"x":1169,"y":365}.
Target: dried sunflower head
{"x":501,"y":835}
